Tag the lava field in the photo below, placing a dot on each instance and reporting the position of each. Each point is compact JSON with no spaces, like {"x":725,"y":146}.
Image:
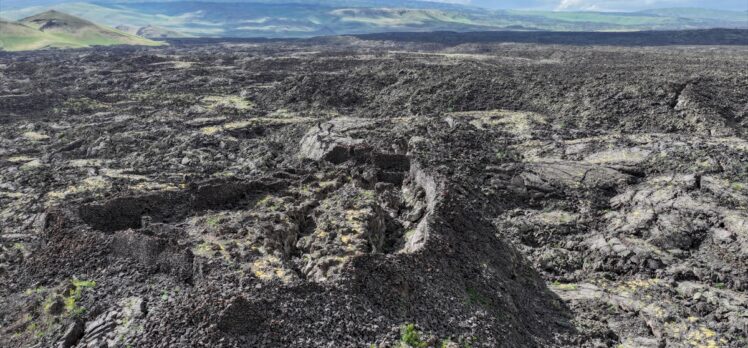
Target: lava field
{"x":350,"y":192}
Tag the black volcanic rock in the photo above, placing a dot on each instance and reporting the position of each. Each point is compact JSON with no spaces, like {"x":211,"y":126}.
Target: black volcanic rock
{"x":354,"y":192}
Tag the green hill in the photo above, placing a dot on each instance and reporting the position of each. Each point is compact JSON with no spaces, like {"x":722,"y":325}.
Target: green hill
{"x":18,"y":37}
{"x":54,"y":29}
{"x":700,"y":13}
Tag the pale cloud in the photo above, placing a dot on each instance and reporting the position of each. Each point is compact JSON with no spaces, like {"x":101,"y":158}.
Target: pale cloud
{"x":461,"y":2}
{"x":634,"y":5}
{"x":584,"y":5}
{"x":604,"y":5}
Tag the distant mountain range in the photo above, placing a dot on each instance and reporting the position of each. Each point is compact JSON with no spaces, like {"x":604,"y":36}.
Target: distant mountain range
{"x":305,"y":18}
{"x":53,"y":29}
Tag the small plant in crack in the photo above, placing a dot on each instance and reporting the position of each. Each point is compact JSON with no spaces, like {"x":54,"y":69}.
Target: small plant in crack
{"x":410,"y":337}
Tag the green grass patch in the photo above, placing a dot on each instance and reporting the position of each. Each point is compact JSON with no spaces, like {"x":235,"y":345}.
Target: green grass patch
{"x":565,"y":287}
{"x":410,"y":337}
{"x":270,"y":202}
{"x":213,"y":222}
{"x":71,"y":306}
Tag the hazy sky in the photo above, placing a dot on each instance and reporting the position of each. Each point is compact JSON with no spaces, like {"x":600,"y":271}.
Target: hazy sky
{"x":607,"y":5}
